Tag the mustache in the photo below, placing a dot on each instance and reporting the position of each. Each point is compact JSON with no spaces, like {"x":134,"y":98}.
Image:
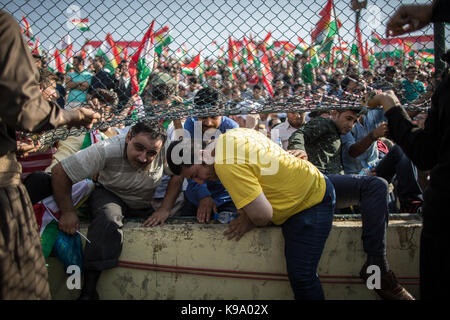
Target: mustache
{"x":140,"y":163}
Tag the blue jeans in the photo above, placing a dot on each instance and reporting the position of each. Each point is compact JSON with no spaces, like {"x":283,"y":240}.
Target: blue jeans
{"x":305,"y":234}
{"x":397,"y":163}
{"x":370,"y":193}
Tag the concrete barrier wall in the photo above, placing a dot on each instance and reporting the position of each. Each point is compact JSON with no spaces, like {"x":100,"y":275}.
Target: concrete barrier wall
{"x":193,"y":261}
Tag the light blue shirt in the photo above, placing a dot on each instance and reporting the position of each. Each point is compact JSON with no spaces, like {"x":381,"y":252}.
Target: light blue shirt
{"x":76,"y":95}
{"x":214,"y":189}
{"x":413,"y":90}
{"x":370,"y":157}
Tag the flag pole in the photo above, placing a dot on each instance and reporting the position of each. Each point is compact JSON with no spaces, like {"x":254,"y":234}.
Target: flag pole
{"x":357,"y":7}
{"x":339,"y":35}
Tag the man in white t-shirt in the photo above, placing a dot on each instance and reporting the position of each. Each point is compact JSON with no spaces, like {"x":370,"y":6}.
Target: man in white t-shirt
{"x":294,"y":120}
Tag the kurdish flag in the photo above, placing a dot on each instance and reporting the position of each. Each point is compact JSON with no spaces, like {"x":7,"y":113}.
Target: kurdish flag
{"x":426,"y":56}
{"x":265,"y":71}
{"x":302,"y":46}
{"x":66,"y":47}
{"x":375,"y":38}
{"x":250,"y":51}
{"x":28,"y":32}
{"x":327,"y":26}
{"x":56,"y":64}
{"x":162,"y":39}
{"x":109,"y":51}
{"x":81,"y":24}
{"x":221,"y":54}
{"x":362,"y":56}
{"x":141,"y":64}
{"x":190,"y":67}
{"x":231,"y":55}
{"x":47,"y":210}
{"x":36,"y":50}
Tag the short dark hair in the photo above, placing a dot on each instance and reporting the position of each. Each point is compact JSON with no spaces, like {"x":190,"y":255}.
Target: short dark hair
{"x":257,"y":87}
{"x":153,"y":128}
{"x":60,"y":76}
{"x":390,"y":69}
{"x":79,"y":58}
{"x":162,"y":91}
{"x":105,"y":96}
{"x":193,"y":80}
{"x":297,"y":85}
{"x":101,"y":59}
{"x":345,"y":82}
{"x":355,"y":109}
{"x":316,"y":113}
{"x":46,"y":77}
{"x":208,"y":96}
{"x":185,"y":143}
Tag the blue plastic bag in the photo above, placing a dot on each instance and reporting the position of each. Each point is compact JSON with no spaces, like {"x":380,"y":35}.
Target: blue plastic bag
{"x":68,"y":250}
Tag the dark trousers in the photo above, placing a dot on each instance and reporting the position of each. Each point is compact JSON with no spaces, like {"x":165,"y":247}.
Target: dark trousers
{"x":305,"y":234}
{"x":396,"y":163}
{"x":435,"y":246}
{"x":105,"y":230}
{"x":39,"y":186}
{"x":370,"y":193}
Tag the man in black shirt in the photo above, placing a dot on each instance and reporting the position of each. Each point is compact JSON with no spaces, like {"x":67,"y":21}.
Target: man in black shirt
{"x":428,"y":148}
{"x":101,"y":79}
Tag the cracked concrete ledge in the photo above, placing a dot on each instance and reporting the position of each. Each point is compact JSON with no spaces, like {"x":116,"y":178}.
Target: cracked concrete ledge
{"x":192,"y":247}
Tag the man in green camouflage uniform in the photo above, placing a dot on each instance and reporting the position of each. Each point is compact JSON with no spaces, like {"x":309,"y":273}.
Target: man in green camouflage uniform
{"x":320,"y":139}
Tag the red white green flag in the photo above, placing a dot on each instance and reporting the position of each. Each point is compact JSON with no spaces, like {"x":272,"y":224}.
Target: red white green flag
{"x":327,"y":26}
{"x":302,"y":46}
{"x":426,"y":56}
{"x":66,"y":48}
{"x":231,"y":55}
{"x":221,"y":54}
{"x":36,"y":50}
{"x":364,"y":64}
{"x":28,"y":32}
{"x":375,"y":38}
{"x":266,"y":73}
{"x":190,"y":67}
{"x":141,"y":64}
{"x":81,"y":24}
{"x":56,"y":64}
{"x":47,"y":211}
{"x":109,"y":51}
{"x":162,"y":39}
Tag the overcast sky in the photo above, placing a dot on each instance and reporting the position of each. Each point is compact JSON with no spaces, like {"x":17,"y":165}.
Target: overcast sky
{"x":196,"y":23}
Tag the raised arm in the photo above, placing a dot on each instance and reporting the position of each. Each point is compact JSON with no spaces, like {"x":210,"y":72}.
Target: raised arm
{"x":22,"y":105}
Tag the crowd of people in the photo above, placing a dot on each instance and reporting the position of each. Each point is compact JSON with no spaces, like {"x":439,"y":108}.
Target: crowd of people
{"x":346,"y":160}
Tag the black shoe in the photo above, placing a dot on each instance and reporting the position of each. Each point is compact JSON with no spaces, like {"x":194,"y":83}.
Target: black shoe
{"x":89,"y":290}
{"x":412,"y":206}
{"x":390,"y":287}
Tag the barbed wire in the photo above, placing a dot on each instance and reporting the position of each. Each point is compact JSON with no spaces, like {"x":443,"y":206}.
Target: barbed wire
{"x":182,"y":110}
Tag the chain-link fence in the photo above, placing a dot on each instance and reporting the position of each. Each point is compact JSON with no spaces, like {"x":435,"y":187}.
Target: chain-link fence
{"x":285,"y":55}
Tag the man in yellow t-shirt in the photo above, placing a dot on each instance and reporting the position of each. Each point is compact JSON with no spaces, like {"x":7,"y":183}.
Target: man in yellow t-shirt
{"x":267,"y":184}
